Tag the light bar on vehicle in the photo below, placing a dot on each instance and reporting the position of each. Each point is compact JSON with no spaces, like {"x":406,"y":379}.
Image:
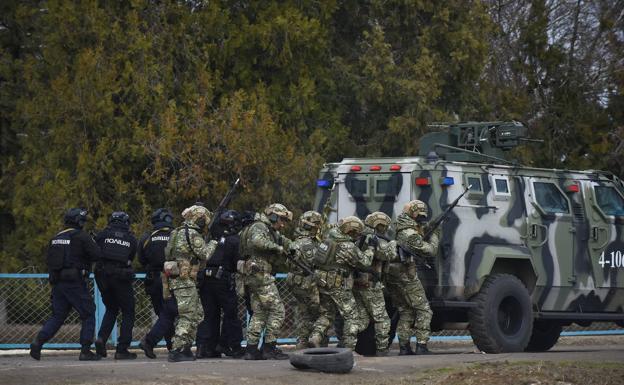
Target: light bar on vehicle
{"x":572,"y":187}
{"x":447,"y":181}
{"x":423,"y":181}
{"x":356,"y":168}
{"x":395,"y":167}
{"x":324,"y":183}
{"x":375,"y":168}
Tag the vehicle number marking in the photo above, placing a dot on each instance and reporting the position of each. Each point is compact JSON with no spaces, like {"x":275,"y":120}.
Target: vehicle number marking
{"x":614,"y":259}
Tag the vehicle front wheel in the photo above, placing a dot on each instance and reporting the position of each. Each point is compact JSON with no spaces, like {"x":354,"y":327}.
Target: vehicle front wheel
{"x":502,"y":320}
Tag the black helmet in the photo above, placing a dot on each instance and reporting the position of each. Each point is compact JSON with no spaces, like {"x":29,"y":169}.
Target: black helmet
{"x":229,"y":218}
{"x":119,"y":217}
{"x":75,"y":217}
{"x":162,"y":215}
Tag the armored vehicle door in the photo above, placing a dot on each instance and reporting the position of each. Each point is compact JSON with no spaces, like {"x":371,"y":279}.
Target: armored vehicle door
{"x":605,"y":212}
{"x":360,"y":194}
{"x":550,"y":238}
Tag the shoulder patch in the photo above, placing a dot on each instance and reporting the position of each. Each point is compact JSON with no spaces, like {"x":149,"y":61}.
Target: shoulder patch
{"x":198,"y":242}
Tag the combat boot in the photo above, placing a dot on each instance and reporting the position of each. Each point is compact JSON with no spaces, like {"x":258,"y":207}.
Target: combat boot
{"x":252,"y":353}
{"x":301,"y":345}
{"x":270,"y":351}
{"x":147,"y":348}
{"x":100,"y":347}
{"x":186,"y":351}
{"x":177,"y":355}
{"x":204,"y":352}
{"x":422,"y":349}
{"x":35,"y":349}
{"x":122,"y":353}
{"x":382,"y":353}
{"x":405,"y":350}
{"x":315,"y":341}
{"x":87,"y":355}
{"x":235,"y":352}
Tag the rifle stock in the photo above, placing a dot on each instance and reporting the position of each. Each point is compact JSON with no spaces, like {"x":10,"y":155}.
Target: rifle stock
{"x":434,"y":224}
{"x":223,"y":204}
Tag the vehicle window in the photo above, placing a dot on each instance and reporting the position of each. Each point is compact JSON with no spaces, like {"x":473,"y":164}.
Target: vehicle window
{"x":550,"y":198}
{"x":609,"y":201}
{"x":475,"y":183}
{"x":501,"y":186}
{"x":358,"y":187}
{"x":385,"y":187}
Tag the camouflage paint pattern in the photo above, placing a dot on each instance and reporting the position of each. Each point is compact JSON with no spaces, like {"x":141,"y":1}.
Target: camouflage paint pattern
{"x":190,"y":314}
{"x":560,"y":231}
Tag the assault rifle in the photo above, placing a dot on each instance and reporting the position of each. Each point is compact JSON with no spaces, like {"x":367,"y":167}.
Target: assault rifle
{"x":435,"y":223}
{"x":224,"y":203}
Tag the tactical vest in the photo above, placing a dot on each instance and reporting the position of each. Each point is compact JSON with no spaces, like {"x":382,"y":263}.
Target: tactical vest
{"x":325,"y":253}
{"x":116,"y":246}
{"x":59,"y":251}
{"x":154,"y":247}
{"x":244,"y":247}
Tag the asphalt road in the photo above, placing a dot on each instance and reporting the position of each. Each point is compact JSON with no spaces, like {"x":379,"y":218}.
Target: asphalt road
{"x":64,"y":368}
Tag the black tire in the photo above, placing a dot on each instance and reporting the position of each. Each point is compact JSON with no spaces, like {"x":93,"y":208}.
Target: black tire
{"x":502,"y":321}
{"x":328,"y":360}
{"x":545,"y":335}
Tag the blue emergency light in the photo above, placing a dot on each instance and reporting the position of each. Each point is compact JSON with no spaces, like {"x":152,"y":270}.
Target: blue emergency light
{"x":323,"y":183}
{"x":447,"y":181}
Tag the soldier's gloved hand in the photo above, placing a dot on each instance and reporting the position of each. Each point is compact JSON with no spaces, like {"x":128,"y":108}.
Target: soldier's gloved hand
{"x":280,"y":250}
{"x":254,"y":268}
{"x":373,"y":241}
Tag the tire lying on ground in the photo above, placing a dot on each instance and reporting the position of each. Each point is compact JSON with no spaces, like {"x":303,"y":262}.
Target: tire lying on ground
{"x":328,"y":360}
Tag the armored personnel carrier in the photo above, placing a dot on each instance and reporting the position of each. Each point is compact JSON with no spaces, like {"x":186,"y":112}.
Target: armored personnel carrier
{"x":525,"y":252}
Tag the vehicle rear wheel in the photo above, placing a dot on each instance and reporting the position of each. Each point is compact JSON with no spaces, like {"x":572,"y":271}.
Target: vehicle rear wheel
{"x":502,"y":321}
{"x":545,"y":335}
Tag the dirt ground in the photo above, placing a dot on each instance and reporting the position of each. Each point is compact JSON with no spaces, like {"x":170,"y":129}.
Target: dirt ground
{"x":575,"y":360}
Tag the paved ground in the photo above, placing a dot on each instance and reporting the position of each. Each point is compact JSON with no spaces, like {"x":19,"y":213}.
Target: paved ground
{"x":63,"y":367}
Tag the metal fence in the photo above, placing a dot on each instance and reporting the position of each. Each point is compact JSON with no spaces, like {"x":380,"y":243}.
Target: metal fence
{"x":25,"y":306}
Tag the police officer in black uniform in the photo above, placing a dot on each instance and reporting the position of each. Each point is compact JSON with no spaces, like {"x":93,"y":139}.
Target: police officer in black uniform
{"x":217,"y":293}
{"x":151,"y":254}
{"x":70,"y":255}
{"x":114,"y":276}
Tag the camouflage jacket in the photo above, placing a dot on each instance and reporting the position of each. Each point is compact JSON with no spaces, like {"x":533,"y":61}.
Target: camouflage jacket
{"x":261,"y":246}
{"x":187,"y":247}
{"x":385,"y":250}
{"x":304,"y":246}
{"x":409,"y":236}
{"x":347,"y":255}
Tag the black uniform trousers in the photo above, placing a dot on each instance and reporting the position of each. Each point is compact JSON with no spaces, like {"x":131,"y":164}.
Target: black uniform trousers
{"x":154,"y":289}
{"x":217,"y":295}
{"x":117,"y":294}
{"x":65,"y":296}
{"x":165,"y":325}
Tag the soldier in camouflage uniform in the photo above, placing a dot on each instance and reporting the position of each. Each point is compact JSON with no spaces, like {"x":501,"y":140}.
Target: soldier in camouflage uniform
{"x":302,"y":286}
{"x":402,"y":280}
{"x":185,"y":253}
{"x":367,"y":287}
{"x":336,"y":258}
{"x":261,"y":245}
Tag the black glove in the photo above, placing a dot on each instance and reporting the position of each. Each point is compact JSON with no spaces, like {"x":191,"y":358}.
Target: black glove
{"x":373,"y":241}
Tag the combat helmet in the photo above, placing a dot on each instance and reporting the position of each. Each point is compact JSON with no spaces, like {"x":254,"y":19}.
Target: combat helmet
{"x":119,"y":217}
{"x":415,"y":209}
{"x":277,"y":210}
{"x":351,"y":225}
{"x":376,"y":219}
{"x":310,"y":220}
{"x":162,"y":215}
{"x":75,"y":217}
{"x":197,"y":215}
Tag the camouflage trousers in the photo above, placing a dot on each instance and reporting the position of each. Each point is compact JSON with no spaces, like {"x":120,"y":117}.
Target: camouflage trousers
{"x":414,"y":311}
{"x":307,"y":310}
{"x":268,"y":313}
{"x":190,"y":314}
{"x":340,"y":299}
{"x":371,"y":300}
